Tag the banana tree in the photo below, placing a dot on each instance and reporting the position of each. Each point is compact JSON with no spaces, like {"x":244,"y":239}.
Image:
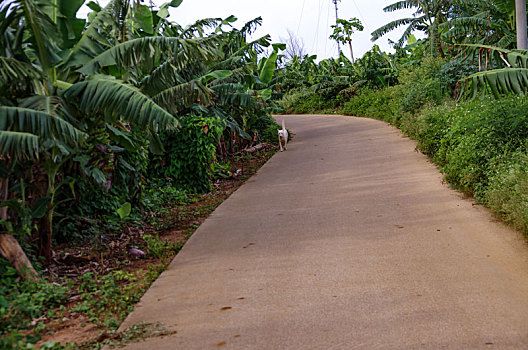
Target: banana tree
{"x":34,"y":60}
{"x":481,"y":22}
{"x":510,"y":75}
{"x":429,"y":15}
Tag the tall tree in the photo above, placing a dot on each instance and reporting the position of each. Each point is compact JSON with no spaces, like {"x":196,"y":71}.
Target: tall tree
{"x":343,"y":30}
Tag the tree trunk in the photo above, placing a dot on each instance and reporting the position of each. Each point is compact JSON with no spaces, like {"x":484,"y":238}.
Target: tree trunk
{"x":9,"y":247}
{"x":11,"y":250}
{"x":351,"y":51}
{"x":520,"y":21}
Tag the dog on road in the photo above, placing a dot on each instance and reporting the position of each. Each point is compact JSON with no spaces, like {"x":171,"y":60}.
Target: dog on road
{"x":283,"y":137}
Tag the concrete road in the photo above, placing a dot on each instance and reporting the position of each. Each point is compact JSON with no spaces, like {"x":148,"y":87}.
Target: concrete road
{"x":349,"y":240}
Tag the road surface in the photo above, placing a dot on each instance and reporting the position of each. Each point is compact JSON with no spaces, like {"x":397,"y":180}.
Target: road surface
{"x":348,"y":240}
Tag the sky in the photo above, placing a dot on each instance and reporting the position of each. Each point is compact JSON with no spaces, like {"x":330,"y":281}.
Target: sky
{"x":309,"y":20}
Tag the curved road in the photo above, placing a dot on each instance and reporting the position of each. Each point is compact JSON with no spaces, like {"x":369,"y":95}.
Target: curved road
{"x":349,"y":240}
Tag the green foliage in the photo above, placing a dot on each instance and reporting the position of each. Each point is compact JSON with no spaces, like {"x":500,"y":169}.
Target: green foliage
{"x":307,"y":102}
{"x":379,"y":104}
{"x":421,"y":84}
{"x":161,"y":249}
{"x":191,"y":152}
{"x":451,"y":72}
{"x":106,"y":299}
{"x":21,"y":302}
{"x":268,"y":128}
{"x":480,"y":131}
{"x":343,"y":29}
{"x":508,"y":189}
{"x":159,"y":194}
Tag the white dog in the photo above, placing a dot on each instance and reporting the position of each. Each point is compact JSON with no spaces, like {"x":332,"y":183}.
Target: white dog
{"x":283,"y":136}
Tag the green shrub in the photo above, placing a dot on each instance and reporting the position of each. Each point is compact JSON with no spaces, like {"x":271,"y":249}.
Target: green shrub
{"x":430,"y":128}
{"x":378,"y":104}
{"x":159,"y":194}
{"x":190,"y":153}
{"x":305,"y":102}
{"x":507,"y":194}
{"x":478,"y":132}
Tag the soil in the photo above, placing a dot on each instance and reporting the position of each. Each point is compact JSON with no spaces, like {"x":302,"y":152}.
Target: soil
{"x":112,"y":252}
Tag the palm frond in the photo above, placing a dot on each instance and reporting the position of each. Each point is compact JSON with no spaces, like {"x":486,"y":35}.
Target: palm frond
{"x":114,"y":97}
{"x":498,"y":82}
{"x":43,"y":33}
{"x":182,"y":96}
{"x":39,"y":123}
{"x":256,"y":45}
{"x":400,"y":5}
{"x":251,"y":26}
{"x":131,"y":53}
{"x":161,"y":78}
{"x":15,"y":71}
{"x":199,"y":27}
{"x":16,"y":144}
{"x":92,"y":42}
{"x":381,"y":31}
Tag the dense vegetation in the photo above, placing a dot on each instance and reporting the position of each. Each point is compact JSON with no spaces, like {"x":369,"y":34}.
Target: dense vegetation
{"x":460,"y":92}
{"x":105,"y":120}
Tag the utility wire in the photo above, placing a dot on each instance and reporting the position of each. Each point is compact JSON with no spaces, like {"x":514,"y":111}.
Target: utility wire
{"x":300,"y":18}
{"x":361,"y":16}
{"x":316,"y":43}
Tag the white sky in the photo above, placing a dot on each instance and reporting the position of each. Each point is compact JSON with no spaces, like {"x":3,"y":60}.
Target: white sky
{"x":310,"y":20}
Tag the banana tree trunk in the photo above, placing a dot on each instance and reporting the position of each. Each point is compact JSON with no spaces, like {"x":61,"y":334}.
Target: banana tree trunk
{"x":351,"y":51}
{"x":9,"y":247}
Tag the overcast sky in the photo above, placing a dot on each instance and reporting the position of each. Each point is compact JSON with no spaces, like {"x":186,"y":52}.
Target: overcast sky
{"x":310,"y":20}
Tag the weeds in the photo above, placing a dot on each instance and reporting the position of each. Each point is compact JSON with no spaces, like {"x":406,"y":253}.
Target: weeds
{"x":161,"y":249}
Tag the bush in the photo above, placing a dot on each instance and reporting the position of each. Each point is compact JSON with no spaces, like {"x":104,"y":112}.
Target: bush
{"x":305,"y":102}
{"x":190,"y":153}
{"x":478,"y":132}
{"x":508,"y":191}
{"x":378,"y":104}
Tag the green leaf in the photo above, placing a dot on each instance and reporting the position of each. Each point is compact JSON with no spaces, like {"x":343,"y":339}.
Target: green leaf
{"x":114,"y":97}
{"x":122,"y":137}
{"x":94,"y":6}
{"x":12,"y":204}
{"x":39,"y":208}
{"x":156,"y":146}
{"x":266,"y":74}
{"x":125,"y":210}
{"x":278,"y":46}
{"x":163,"y":12}
{"x":45,"y":125}
{"x":175,"y":3}
{"x":143,"y":17}
{"x":216,"y":75}
{"x":18,"y":144}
